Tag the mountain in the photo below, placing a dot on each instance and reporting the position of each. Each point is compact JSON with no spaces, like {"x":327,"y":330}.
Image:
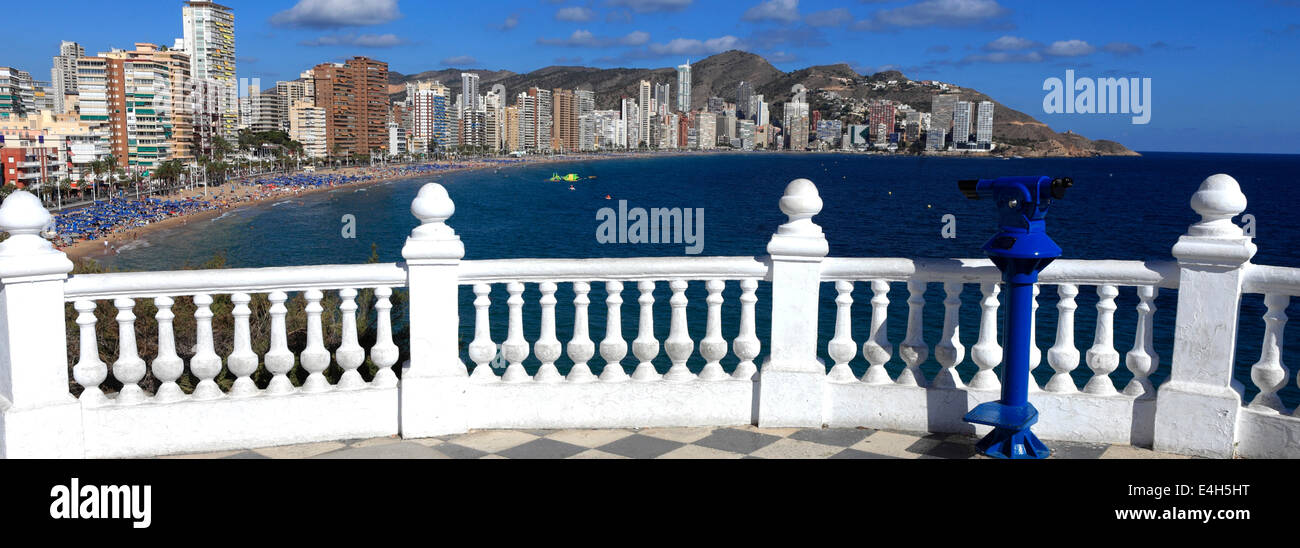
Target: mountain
{"x":835,"y":90}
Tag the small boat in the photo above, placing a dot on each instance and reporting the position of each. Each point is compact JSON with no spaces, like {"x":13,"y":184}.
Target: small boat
{"x":571,"y":187}
{"x":607,"y":197}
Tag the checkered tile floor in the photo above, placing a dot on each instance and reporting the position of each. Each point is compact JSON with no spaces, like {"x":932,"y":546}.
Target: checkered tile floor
{"x":671,"y":443}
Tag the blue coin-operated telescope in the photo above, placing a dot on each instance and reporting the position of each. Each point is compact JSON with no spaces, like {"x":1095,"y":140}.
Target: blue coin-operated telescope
{"x":1021,"y":249}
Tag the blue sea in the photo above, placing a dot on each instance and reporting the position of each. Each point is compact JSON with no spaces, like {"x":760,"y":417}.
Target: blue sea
{"x":875,"y":206}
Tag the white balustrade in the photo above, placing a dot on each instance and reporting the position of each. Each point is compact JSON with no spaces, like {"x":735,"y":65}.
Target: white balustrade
{"x":1142,"y":360}
{"x":349,"y":354}
{"x":482,"y":350}
{"x":242,"y":362}
{"x":877,"y":350}
{"x":384,"y":353}
{"x":914,"y":351}
{"x":279,"y":360}
{"x":842,"y":349}
{"x":547,"y":348}
{"x":645,"y":347}
{"x":746,"y":345}
{"x":315,"y":358}
{"x":515,"y":349}
{"x":1269,"y":374}
{"x":1064,"y":356}
{"x":581,"y":348}
{"x":167,"y":367}
{"x":1102,"y":358}
{"x":129,"y":368}
{"x":679,"y":345}
{"x":950,"y":352}
{"x":987,"y":353}
{"x":205,"y":364}
{"x":613,"y":348}
{"x":713,"y":347}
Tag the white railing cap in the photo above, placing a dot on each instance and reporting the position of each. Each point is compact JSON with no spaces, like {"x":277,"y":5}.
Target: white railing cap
{"x":434,"y":240}
{"x":26,"y":255}
{"x":799,"y":238}
{"x":1215,"y":240}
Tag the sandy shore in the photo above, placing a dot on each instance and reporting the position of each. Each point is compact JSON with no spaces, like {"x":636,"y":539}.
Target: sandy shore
{"x":234,"y":195}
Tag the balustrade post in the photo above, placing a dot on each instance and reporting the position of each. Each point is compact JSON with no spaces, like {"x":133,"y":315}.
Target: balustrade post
{"x":39,"y":417}
{"x":434,"y":381}
{"x":792,"y":383}
{"x":1196,"y":409}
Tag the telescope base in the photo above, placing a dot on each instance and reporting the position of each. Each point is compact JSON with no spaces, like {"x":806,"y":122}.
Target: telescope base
{"x":1011,"y":437}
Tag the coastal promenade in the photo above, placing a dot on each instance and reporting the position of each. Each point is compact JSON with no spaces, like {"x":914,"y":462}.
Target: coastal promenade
{"x":66,"y":395}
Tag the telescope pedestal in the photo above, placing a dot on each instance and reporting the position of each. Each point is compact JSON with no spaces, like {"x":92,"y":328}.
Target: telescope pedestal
{"x":1010,"y":438}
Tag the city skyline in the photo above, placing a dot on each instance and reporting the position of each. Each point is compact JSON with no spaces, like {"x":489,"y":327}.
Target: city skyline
{"x":996,"y":47}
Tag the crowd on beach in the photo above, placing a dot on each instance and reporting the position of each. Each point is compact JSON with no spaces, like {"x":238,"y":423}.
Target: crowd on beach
{"x":123,"y":216}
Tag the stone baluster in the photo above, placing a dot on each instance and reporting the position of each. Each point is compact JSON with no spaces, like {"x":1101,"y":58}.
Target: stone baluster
{"x":482,"y":350}
{"x":515,"y":349}
{"x":1142,"y":360}
{"x":349,"y":354}
{"x":950,"y":352}
{"x":1035,"y":353}
{"x":1268,"y":374}
{"x":167,"y":367}
{"x":279,"y":360}
{"x":435,"y":382}
{"x":793,"y":380}
{"x":746,"y":345}
{"x":384,"y":353}
{"x":679,"y":345}
{"x":987,"y":353}
{"x":645,"y":347}
{"x":1102,"y":358}
{"x":914,"y":351}
{"x":1197,"y":408}
{"x":242,"y":361}
{"x":581,"y":348}
{"x":39,"y":418}
{"x":547,"y":348}
{"x":90,"y":371}
{"x":842,"y":349}
{"x":713,"y":347}
{"x":1063,"y":356}
{"x":878,"y":350}
{"x":315,"y":358}
{"x":205,"y":364}
{"x":613,"y":348}
{"x":129,"y":368}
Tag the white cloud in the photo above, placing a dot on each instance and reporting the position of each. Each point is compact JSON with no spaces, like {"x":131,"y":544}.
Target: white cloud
{"x":935,"y":13}
{"x":1124,"y":48}
{"x":784,"y":11}
{"x":585,"y":38}
{"x":1003,"y":57}
{"x":511,"y":22}
{"x":358,"y":40}
{"x":462,"y":60}
{"x":1011,"y":43}
{"x":651,"y":6}
{"x":1069,"y":48}
{"x":691,"y":46}
{"x":575,"y":13}
{"x":328,"y":14}
{"x":829,"y":18}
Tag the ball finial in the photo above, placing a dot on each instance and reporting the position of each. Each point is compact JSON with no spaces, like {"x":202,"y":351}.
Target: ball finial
{"x":1218,"y":200}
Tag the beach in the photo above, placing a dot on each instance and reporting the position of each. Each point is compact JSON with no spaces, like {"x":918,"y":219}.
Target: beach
{"x":236,"y":194}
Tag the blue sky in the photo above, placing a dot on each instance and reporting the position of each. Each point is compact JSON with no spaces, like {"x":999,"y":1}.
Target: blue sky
{"x":1224,"y":74}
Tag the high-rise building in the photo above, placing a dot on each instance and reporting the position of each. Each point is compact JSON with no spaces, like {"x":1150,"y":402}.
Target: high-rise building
{"x":934,"y":139}
{"x":545,"y":120}
{"x":63,"y":76}
{"x":354,"y":95}
{"x":684,"y":87}
{"x":564,"y":113}
{"x":512,"y":141}
{"x":179,"y":124}
{"x":880,"y":114}
{"x":430,"y":118}
{"x":761,"y":113}
{"x":527,"y":126}
{"x":829,"y":131}
{"x":307,"y":126}
{"x":663,"y":98}
{"x":585,"y":103}
{"x":210,"y":41}
{"x":795,"y":125}
{"x":744,"y":93}
{"x":961,"y":124}
{"x":941,"y":111}
{"x":125,"y":97}
{"x":644,"y":101}
{"x":984,"y":125}
{"x":17,"y":92}
{"x":706,"y":124}
{"x":631,"y":117}
{"x":469,"y":90}
{"x":493,"y":118}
